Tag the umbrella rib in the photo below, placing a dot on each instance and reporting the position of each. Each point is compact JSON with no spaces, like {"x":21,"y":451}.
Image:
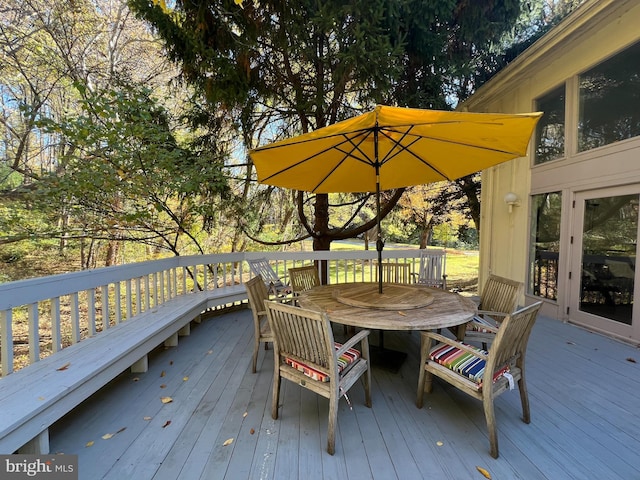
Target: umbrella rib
{"x":401,"y":147}
{"x":453,"y":142}
{"x":347,"y":154}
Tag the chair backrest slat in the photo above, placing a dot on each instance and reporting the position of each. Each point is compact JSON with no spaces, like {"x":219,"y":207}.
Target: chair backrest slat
{"x":396,"y":272}
{"x":302,"y":279}
{"x":512,"y":338}
{"x":257,"y":293}
{"x":500,"y":294}
{"x":302,"y":335}
{"x":431,"y":270}
{"x":261,"y":266}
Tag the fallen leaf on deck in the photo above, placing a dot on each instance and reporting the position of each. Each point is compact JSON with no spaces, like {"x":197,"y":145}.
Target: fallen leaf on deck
{"x":166,"y":424}
{"x":63,"y":367}
{"x":163,"y":373}
{"x":163,"y":386}
{"x":484,"y":472}
{"x":439,"y":443}
{"x":632,"y":360}
{"x":227,"y":442}
{"x":184,"y":379}
{"x":209,"y":352}
{"x":252,"y":431}
{"x":147,"y":418}
{"x":166,"y":399}
{"x":121,"y":430}
{"x":402,"y":313}
{"x":107,"y":436}
{"x":244,"y":414}
{"x":89,"y":444}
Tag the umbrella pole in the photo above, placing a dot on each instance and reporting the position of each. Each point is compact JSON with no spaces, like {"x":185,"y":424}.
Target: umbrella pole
{"x":379,"y":242}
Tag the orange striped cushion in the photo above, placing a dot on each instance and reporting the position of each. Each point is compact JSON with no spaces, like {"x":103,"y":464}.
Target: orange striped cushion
{"x":346,"y":360}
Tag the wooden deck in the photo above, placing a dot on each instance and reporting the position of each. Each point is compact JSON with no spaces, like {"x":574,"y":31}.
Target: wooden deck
{"x":584,"y":392}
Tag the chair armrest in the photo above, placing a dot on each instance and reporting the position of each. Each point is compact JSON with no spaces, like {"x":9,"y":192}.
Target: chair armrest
{"x":454,"y":343}
{"x":492,"y":314}
{"x":485,"y":327}
{"x":358,"y":337}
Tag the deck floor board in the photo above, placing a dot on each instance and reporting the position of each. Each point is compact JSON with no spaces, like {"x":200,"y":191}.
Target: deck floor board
{"x":582,"y":388}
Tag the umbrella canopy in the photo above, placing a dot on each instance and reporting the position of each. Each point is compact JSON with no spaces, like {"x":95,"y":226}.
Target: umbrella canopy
{"x":393,"y":147}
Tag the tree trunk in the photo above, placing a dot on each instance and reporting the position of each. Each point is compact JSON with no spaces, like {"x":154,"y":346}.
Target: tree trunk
{"x":322,"y":240}
{"x":112,"y":254}
{"x":471,"y":190}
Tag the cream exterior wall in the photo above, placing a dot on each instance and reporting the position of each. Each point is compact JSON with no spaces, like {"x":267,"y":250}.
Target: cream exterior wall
{"x":594,"y":32}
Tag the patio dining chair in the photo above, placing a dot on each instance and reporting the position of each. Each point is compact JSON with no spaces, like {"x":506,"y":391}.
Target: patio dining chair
{"x":275,"y":286}
{"x":304,"y":278}
{"x":466,"y":367}
{"x":305,"y":353}
{"x":257,"y":292}
{"x":393,"y":272}
{"x":431,"y":269}
{"x":499,"y":298}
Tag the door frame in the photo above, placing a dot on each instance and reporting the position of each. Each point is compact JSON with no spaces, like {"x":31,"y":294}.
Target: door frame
{"x":589,"y":320}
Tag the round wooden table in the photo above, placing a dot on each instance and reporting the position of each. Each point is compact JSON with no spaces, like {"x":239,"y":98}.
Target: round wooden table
{"x":399,"y":307}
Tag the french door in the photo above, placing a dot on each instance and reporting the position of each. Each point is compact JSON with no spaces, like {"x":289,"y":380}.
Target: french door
{"x":603,"y":278}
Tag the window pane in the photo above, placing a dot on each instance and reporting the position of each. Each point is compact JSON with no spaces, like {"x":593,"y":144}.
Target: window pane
{"x":609,"y":239}
{"x":610,"y":101}
{"x":545,"y":245}
{"x":550,"y":128}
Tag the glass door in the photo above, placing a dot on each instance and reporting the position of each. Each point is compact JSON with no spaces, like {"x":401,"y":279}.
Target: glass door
{"x":603,"y":265}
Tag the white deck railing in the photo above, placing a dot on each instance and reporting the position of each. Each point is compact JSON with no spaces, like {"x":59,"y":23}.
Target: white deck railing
{"x":61,"y":310}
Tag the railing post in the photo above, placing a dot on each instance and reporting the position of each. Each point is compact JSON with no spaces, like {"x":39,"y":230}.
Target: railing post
{"x":91,"y":310}
{"x":75,"y":318}
{"x":6,"y":341}
{"x":105,"y":306}
{"x":56,"y":337}
{"x":34,"y":334}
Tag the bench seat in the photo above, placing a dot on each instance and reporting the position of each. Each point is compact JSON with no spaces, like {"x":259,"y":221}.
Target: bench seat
{"x":38,"y":395}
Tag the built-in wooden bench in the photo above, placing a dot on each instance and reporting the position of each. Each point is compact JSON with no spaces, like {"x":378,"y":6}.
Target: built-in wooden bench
{"x":33,"y":398}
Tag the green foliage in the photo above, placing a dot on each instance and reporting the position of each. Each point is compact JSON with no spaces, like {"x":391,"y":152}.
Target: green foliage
{"x":273,"y":69}
{"x":126,"y":176}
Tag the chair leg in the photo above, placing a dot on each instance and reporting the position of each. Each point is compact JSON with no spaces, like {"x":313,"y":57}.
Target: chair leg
{"x":489,"y":414}
{"x":254,"y":362}
{"x":420,"y":394}
{"x":331,"y":429}
{"x":366,"y":380}
{"x":423,"y":375}
{"x":524,"y":399}
{"x":275,"y":396}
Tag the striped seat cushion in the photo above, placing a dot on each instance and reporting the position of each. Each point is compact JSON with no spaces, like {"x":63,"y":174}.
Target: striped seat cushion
{"x":462,"y":362}
{"x":345,"y":362}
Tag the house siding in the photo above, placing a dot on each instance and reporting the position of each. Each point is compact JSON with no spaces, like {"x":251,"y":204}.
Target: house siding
{"x":591,"y":34}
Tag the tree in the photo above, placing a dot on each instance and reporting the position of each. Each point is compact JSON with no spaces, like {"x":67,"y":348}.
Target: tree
{"x":279,"y":68}
{"x":64,"y":61}
{"x":127,"y":178}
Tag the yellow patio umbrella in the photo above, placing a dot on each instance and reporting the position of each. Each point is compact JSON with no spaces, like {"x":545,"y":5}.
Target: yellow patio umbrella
{"x":393,"y":147}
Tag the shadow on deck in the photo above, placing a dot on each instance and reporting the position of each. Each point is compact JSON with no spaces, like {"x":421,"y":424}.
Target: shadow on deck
{"x":583,"y":389}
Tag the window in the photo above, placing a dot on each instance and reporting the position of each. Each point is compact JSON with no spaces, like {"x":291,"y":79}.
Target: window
{"x":545,"y":245}
{"x":610,"y":101}
{"x":550,"y":128}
